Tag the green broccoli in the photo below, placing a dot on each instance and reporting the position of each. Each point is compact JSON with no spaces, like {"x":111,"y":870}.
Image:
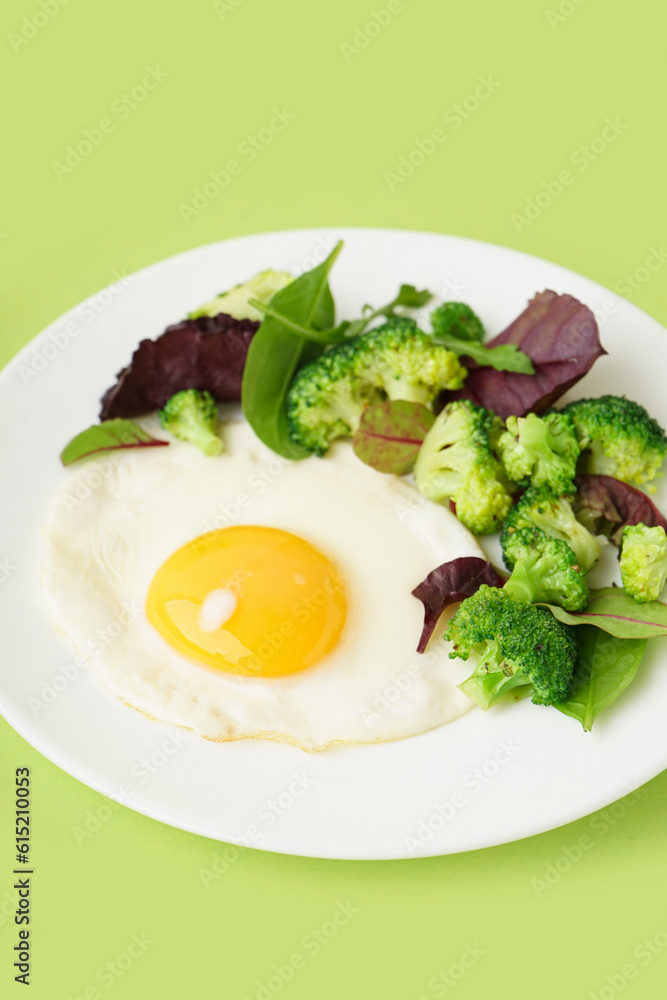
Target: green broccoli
{"x":262,"y":286}
{"x":541,"y":451}
{"x":540,"y":507}
{"x":618,"y":438}
{"x":191,"y":415}
{"x":394,"y":361}
{"x":544,"y":569}
{"x":456,"y":462}
{"x":643,"y":562}
{"x":517,"y":646}
{"x":456,"y":319}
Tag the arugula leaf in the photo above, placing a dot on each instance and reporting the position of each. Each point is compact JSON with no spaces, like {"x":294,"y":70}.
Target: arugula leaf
{"x":605,"y":667}
{"x":504,"y":358}
{"x":408,"y":298}
{"x":615,"y":612}
{"x":390,"y":435}
{"x":110,"y":435}
{"x":277,"y":352}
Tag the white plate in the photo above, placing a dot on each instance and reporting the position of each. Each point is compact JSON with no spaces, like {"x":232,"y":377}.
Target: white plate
{"x":485,"y":779}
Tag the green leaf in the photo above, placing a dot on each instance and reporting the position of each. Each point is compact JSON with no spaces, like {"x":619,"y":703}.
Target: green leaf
{"x":408,"y":297}
{"x":605,"y":667}
{"x":613,"y":611}
{"x":504,"y":358}
{"x":277,"y":352}
{"x":319,"y":336}
{"x":110,"y":435}
{"x":390,"y":435}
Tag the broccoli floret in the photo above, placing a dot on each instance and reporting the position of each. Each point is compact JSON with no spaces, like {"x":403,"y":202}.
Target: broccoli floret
{"x":517,"y":645}
{"x":540,"y":450}
{"x":456,"y":462}
{"x":191,"y":415}
{"x":394,"y":361}
{"x":262,"y":286}
{"x":643,"y":562}
{"x":456,"y":319}
{"x":540,"y":507}
{"x":618,"y":438}
{"x":545,"y":569}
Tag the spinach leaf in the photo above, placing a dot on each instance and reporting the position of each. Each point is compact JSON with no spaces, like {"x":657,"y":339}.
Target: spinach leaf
{"x":613,"y":611}
{"x":111,"y":435}
{"x":605,"y":667}
{"x":277,"y":352}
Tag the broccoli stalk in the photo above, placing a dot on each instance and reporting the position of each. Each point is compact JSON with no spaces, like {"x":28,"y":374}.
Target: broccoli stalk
{"x":540,"y":450}
{"x":618,"y":438}
{"x":394,"y":361}
{"x":543,"y":569}
{"x":456,"y":462}
{"x":517,"y":646}
{"x":191,"y":415}
{"x":540,"y":507}
{"x":643,"y":562}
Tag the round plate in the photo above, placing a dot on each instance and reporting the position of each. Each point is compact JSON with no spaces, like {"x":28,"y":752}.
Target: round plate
{"x":485,"y":779}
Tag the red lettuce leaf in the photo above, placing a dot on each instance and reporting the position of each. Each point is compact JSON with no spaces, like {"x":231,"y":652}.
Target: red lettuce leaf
{"x":204,"y":353}
{"x":560,"y":336}
{"x":605,"y":505}
{"x":390,"y":435}
{"x":450,"y":583}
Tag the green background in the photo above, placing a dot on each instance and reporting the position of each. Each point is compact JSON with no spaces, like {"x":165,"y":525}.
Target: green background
{"x":551,"y":922}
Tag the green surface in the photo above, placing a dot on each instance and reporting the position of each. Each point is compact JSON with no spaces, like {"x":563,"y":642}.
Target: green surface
{"x":556,"y":916}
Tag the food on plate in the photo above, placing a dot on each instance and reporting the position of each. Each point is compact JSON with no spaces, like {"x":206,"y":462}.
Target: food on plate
{"x":618,"y":438}
{"x":517,"y":646}
{"x":643,"y":562}
{"x":540,"y":451}
{"x":110,"y":435}
{"x":605,"y":506}
{"x":236,"y":302}
{"x":457,"y":462}
{"x":540,"y":507}
{"x":102,"y":573}
{"x":286,"y":613}
{"x":545,"y":570}
{"x":393,"y":361}
{"x":191,"y":415}
{"x":457,"y":327}
{"x":560,"y":336}
{"x":207,"y":353}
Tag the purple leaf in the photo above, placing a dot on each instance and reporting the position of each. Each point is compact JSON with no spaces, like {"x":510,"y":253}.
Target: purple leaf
{"x":204,"y":353}
{"x":390,"y":435}
{"x":450,"y":583}
{"x":606,"y":505}
{"x":560,"y":336}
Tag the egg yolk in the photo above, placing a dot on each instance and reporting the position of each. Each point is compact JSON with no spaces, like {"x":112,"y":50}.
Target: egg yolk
{"x":249,"y":600}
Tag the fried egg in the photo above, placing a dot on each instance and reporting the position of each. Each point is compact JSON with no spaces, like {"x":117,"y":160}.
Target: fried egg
{"x":249,"y":596}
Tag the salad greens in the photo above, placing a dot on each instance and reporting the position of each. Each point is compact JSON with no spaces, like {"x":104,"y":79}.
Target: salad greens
{"x":277,"y":352}
{"x":111,"y":435}
{"x":390,"y":435}
{"x":615,"y":612}
{"x":605,"y":666}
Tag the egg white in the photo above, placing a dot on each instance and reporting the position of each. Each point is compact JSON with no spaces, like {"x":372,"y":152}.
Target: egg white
{"x":116,"y":519}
